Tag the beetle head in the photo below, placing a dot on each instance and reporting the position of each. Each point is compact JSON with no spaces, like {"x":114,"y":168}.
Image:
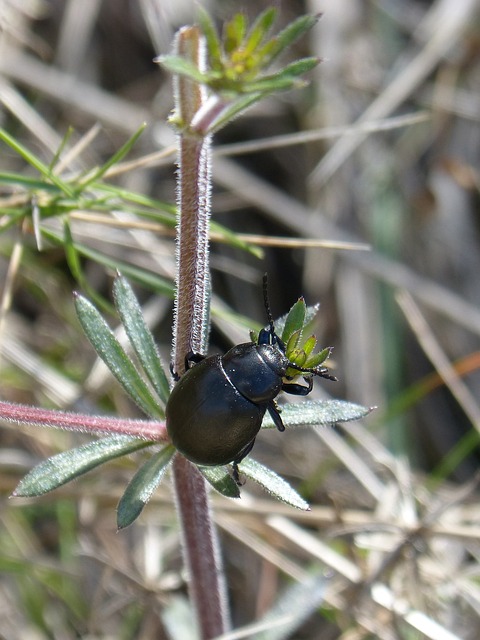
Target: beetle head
{"x":298,"y":352}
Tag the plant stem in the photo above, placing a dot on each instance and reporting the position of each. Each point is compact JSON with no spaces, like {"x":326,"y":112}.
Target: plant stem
{"x":25,"y":414}
{"x":193,"y":184}
{"x":200,"y":545}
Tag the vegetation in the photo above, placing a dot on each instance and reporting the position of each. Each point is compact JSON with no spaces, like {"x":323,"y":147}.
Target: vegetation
{"x":67,"y":225}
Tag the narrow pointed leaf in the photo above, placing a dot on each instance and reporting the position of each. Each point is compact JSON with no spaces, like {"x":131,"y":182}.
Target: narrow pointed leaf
{"x":310,"y":344}
{"x":231,"y":237}
{"x":114,"y":159}
{"x":234,"y":32}
{"x":142,"y":276}
{"x":66,"y":466}
{"x":272,"y":483}
{"x":63,"y":143}
{"x":26,"y":182}
{"x":318,"y":412}
{"x":270,"y":84}
{"x":259,"y":29}
{"x":140,"y":336}
{"x":211,"y":37}
{"x":71,"y":252}
{"x":292,"y":342}
{"x":286,"y":78}
{"x":297,"y":68}
{"x":112,"y":353}
{"x":221,"y":481}
{"x":310,"y":313}
{"x":295,"y":320}
{"x":180,"y":66}
{"x":234,"y":109}
{"x":298,"y":357}
{"x":318,"y":358}
{"x":291,"y":33}
{"x":33,"y":160}
{"x":142,"y":486}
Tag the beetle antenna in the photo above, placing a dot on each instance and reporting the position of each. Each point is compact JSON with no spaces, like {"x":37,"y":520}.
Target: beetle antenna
{"x":267,"y":305}
{"x":322,"y":372}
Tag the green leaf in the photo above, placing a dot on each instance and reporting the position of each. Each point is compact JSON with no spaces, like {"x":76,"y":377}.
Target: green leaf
{"x":294,"y":320}
{"x":179,"y":66}
{"x":115,"y":159}
{"x":140,"y":336}
{"x":27,"y":182}
{"x":310,"y":344}
{"x":234,"y":32}
{"x":291,"y":33}
{"x":285,"y":79}
{"x":208,"y":29}
{"x":146,"y":278}
{"x":76,"y":269}
{"x":71,"y":253}
{"x":259,"y":29}
{"x":12,"y":216}
{"x":66,"y":466}
{"x":318,"y":358}
{"x":111,"y":352}
{"x":292,"y":343}
{"x":297,"y":68}
{"x":221,"y":481}
{"x":230,"y":237}
{"x":311,"y":312}
{"x":318,"y":412}
{"x":234,"y":109}
{"x":271,"y":84}
{"x":142,"y":486}
{"x":35,"y":162}
{"x":59,"y":151}
{"x":273,"y":483}
{"x":142,"y":200}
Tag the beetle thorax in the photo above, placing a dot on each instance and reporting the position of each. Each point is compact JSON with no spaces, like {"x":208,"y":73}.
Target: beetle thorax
{"x":256,"y":370}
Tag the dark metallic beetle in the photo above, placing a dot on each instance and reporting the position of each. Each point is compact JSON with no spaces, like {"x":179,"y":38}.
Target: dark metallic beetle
{"x":216,"y":409}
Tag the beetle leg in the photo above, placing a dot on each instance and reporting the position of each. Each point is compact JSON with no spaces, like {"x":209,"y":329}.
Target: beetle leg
{"x":193,"y":358}
{"x":298,"y":389}
{"x":274,"y":412}
{"x":190,"y":359}
{"x":175,"y":375}
{"x":243,"y":454}
{"x":236,"y":475}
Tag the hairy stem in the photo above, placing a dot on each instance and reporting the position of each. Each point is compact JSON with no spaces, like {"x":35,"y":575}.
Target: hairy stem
{"x":193,"y":195}
{"x":35,"y":416}
{"x":201,"y":552}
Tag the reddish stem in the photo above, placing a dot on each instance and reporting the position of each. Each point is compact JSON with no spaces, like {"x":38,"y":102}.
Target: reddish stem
{"x":35,"y":416}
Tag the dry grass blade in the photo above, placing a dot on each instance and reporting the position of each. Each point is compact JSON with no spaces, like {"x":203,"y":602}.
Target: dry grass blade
{"x":28,"y":116}
{"x":438,"y":358}
{"x":380,"y":594}
{"x":67,"y":89}
{"x":443,"y":34}
{"x":304,"y":137}
{"x":57,"y":387}
{"x":298,"y":217}
{"x":397,"y":537}
{"x":76,"y":150}
{"x":8,"y":285}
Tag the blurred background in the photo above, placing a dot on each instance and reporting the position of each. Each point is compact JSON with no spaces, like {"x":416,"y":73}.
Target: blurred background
{"x":362,"y":191}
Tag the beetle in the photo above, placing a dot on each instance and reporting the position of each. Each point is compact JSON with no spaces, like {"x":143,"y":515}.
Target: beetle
{"x":216,"y":408}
